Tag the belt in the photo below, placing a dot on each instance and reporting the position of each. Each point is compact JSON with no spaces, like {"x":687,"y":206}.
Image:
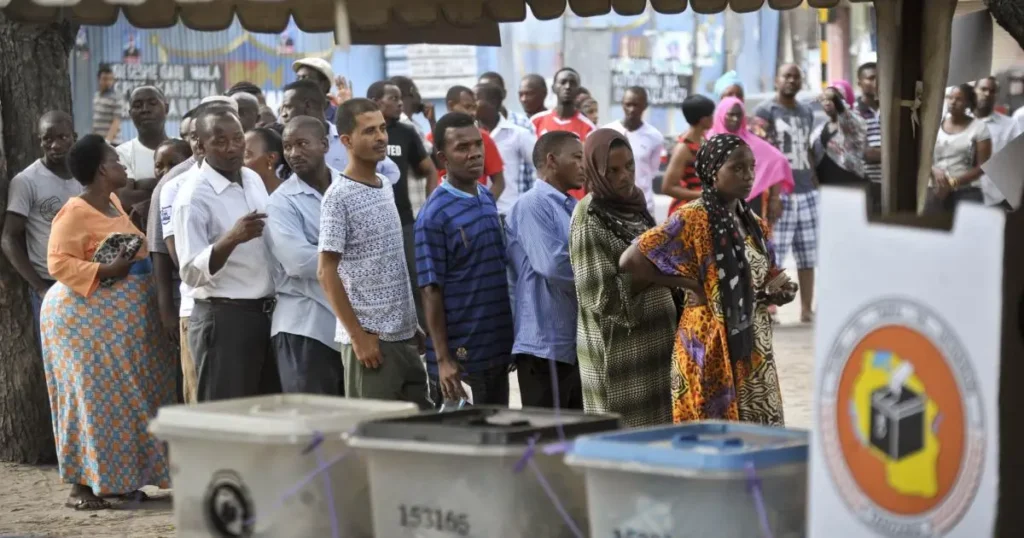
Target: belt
{"x":264,"y":305}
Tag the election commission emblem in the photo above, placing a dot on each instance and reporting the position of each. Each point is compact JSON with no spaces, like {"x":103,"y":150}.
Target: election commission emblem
{"x":901,"y":419}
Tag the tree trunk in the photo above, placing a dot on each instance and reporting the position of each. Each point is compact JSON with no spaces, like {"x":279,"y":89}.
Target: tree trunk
{"x":33,"y":80}
{"x":1010,"y":15}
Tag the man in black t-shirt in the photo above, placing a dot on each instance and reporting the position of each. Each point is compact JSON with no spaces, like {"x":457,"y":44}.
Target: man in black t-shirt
{"x":406,"y":149}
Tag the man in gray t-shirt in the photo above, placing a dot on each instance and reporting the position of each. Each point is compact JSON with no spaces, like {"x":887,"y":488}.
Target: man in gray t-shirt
{"x":34,"y":198}
{"x":788,"y":124}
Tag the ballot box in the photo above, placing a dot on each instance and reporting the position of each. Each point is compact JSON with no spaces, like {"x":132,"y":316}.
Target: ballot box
{"x":917,"y":352}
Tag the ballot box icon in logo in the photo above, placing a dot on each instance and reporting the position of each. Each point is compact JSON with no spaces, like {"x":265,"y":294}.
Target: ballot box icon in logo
{"x":897,"y":422}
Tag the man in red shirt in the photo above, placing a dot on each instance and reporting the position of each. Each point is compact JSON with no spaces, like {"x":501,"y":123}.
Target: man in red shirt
{"x":565,"y":116}
{"x":462,"y":99}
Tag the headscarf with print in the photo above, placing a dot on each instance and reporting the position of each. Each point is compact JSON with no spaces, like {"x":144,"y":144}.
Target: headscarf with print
{"x":734,"y":283}
{"x":622,"y":213}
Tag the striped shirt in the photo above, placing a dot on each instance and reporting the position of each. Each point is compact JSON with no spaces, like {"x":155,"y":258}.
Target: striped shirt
{"x":874,"y":138}
{"x":460,"y":247}
{"x":690,"y":179}
{"x":105,"y":107}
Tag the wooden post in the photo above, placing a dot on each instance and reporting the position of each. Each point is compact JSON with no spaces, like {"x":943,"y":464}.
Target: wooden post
{"x":899,"y":193}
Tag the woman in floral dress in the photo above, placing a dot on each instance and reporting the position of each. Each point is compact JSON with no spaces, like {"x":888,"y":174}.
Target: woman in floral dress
{"x":723,"y":363}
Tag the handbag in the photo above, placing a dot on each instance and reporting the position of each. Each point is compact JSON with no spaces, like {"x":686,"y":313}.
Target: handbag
{"x":108,"y":249}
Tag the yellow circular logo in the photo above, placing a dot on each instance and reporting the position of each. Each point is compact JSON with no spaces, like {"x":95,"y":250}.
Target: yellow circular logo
{"x":901,"y":420}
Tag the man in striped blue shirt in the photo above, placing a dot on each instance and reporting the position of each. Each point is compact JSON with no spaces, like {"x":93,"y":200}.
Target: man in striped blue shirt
{"x":461,"y":266}
{"x":867,"y":107}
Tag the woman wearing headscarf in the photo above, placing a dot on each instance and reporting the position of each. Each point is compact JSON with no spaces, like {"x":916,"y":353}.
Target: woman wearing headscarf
{"x":108,"y":364}
{"x":730,"y":85}
{"x":772,"y":173}
{"x":625,"y":325}
{"x":838,"y":144}
{"x":723,"y":363}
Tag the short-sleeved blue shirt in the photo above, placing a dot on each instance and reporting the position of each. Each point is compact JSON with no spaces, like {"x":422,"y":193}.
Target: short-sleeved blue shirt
{"x":460,"y":246}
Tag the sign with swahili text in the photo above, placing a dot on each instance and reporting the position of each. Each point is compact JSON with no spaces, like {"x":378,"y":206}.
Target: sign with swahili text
{"x":184,"y":85}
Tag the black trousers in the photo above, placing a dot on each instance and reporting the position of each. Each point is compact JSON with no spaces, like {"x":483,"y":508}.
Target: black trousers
{"x":535,"y":383}
{"x":307,"y":365}
{"x":231,"y":348}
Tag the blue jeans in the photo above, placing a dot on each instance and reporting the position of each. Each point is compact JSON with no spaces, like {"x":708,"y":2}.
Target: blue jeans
{"x":37,"y":305}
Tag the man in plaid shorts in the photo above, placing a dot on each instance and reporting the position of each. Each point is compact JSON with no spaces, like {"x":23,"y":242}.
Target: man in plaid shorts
{"x":788,"y":124}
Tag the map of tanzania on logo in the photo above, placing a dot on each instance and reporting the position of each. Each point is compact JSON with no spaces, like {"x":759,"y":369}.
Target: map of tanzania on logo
{"x":893,"y":417}
{"x":902,"y":421}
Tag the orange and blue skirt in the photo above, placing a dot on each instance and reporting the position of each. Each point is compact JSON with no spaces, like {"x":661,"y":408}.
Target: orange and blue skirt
{"x":109,"y":368}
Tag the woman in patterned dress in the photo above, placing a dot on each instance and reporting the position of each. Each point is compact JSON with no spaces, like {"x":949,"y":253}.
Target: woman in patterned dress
{"x":723,"y":366}
{"x":108,"y":365}
{"x":625,"y":325}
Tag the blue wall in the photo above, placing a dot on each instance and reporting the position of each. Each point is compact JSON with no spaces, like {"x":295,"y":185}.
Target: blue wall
{"x":531,"y":46}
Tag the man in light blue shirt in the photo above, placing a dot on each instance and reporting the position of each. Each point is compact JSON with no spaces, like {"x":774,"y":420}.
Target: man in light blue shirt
{"x":302,"y":329}
{"x":545,"y":290}
{"x":304,"y":98}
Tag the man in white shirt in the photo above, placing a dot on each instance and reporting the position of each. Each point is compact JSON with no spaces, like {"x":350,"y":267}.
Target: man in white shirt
{"x":647,"y":141}
{"x":161,"y":237}
{"x":1002,"y":128}
{"x":147,"y":107}
{"x":515,"y":144}
{"x":218,"y":219}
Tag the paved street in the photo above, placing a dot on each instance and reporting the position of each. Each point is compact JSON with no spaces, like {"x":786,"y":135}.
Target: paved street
{"x":31,"y":501}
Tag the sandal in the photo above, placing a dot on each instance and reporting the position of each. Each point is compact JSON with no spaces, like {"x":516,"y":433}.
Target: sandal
{"x":137,"y":496}
{"x":87,"y":505}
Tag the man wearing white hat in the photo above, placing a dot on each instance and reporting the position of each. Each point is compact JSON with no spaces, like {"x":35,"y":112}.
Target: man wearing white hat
{"x":318,"y":70}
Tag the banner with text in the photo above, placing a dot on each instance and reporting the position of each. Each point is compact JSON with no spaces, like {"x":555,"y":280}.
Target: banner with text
{"x":183,"y":85}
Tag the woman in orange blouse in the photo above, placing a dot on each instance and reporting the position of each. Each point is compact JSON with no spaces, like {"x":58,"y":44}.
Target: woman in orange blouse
{"x":108,"y":365}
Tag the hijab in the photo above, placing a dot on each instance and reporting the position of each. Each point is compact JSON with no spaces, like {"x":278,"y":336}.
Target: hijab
{"x":725,"y":81}
{"x":845,"y":89}
{"x":728,"y":246}
{"x":770,"y":166}
{"x":606,"y":199}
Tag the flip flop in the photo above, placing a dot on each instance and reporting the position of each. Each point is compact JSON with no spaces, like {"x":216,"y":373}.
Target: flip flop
{"x":87,"y":505}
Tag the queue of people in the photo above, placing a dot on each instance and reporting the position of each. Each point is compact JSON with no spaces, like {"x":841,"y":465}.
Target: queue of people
{"x":283,"y":253}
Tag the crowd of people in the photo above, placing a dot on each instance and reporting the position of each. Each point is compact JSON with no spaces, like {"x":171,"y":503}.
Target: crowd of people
{"x":279,"y":251}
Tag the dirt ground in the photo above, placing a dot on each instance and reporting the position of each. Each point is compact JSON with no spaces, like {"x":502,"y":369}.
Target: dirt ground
{"x":32,"y":497}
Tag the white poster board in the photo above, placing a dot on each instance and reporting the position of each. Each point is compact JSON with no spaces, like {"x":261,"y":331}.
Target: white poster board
{"x":907,"y":356}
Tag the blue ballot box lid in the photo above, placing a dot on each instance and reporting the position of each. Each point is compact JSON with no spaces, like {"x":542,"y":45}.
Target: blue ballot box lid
{"x":707,"y":445}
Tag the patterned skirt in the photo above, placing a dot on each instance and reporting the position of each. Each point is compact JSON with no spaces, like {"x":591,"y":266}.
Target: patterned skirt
{"x":108,"y":369}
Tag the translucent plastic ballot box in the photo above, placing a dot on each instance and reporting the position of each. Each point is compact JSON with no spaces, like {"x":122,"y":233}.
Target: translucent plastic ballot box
{"x":479,"y":472}
{"x":695,"y":480}
{"x":918,"y":321}
{"x":270,"y":466}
